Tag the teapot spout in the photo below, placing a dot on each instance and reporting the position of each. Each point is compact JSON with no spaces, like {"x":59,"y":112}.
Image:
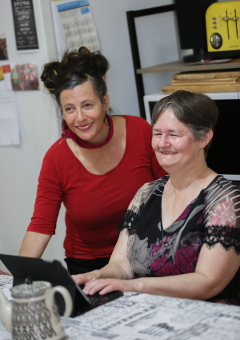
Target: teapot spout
{"x":5,"y":311}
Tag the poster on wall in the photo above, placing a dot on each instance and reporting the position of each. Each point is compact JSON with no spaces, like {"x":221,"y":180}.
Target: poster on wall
{"x":3,"y":47}
{"x":9,"y":126}
{"x":24,"y":26}
{"x":24,"y":77}
{"x":1,"y":73}
{"x":78,"y":25}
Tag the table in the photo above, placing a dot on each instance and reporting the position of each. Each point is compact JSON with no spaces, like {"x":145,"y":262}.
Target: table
{"x":144,"y":316}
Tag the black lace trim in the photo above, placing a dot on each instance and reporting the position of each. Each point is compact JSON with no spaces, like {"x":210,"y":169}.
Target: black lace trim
{"x":228,"y":237}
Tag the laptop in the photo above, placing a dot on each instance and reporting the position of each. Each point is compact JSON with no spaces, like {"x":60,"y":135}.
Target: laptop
{"x":36,"y":269}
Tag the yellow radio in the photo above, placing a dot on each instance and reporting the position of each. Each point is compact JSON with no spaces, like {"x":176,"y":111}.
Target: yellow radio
{"x":223,"y":29}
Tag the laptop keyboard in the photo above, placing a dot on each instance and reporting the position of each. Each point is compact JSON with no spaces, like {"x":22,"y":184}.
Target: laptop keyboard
{"x":97,"y":300}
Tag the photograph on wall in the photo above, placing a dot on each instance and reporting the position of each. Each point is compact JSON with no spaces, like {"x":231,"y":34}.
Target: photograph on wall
{"x":3,"y":47}
{"x":1,"y":73}
{"x":24,"y":26}
{"x":24,"y":77}
{"x":78,"y":26}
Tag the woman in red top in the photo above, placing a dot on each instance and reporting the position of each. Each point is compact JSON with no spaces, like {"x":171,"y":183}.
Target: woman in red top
{"x":94,"y":169}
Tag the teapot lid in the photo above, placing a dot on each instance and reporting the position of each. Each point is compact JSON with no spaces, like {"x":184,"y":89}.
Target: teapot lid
{"x":37,"y":288}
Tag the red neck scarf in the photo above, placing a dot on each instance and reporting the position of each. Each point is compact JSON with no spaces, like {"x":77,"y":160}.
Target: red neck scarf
{"x":67,"y":133}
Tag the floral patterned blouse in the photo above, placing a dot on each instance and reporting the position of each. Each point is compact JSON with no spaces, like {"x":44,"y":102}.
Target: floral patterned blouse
{"x":213,"y":217}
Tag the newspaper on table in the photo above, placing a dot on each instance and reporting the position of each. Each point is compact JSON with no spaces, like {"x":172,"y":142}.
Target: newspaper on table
{"x":143,"y":316}
{"x":78,"y":26}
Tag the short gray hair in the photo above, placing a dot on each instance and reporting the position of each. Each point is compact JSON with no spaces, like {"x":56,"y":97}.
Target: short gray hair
{"x":196,"y":110}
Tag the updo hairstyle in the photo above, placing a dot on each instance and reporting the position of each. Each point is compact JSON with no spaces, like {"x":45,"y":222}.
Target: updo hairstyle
{"x":196,"y":110}
{"x":76,"y":68}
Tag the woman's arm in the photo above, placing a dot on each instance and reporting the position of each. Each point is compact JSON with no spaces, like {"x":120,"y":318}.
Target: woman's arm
{"x":34,"y":244}
{"x":46,"y":208}
{"x":118,"y":266}
{"x":215,"y":269}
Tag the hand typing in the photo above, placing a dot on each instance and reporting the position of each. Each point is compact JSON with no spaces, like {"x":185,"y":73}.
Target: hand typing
{"x":104,"y":286}
{"x":84,"y":278}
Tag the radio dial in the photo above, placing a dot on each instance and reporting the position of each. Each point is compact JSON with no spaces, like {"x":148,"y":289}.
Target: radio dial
{"x":216,"y":40}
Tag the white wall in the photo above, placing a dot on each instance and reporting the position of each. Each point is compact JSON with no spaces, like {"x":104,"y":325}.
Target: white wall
{"x":39,"y":125}
{"x":155,"y":47}
{"x":39,"y":128}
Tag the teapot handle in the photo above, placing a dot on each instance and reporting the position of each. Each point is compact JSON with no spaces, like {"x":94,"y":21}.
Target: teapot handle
{"x":68,"y":302}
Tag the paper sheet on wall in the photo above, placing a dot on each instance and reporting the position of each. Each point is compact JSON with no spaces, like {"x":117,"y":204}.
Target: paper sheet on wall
{"x":9,"y":127}
{"x":78,"y":26}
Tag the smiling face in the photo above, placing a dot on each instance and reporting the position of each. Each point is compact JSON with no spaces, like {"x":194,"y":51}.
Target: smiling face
{"x":84,"y":113}
{"x":174,"y":144}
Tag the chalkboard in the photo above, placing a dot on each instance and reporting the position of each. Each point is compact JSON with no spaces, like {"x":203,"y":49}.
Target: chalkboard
{"x":24,"y":25}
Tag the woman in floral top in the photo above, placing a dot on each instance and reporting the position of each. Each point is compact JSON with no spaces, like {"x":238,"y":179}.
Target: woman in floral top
{"x":185,"y":223}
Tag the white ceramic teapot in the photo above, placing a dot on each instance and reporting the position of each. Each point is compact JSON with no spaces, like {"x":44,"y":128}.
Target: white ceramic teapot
{"x":33,"y":313}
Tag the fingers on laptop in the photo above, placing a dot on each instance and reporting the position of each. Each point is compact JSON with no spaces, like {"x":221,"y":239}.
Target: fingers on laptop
{"x":83,"y":278}
{"x":104,"y":286}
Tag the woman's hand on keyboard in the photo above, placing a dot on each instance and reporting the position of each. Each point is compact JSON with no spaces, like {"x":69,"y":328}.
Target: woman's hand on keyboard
{"x":104,"y":286}
{"x":84,"y":278}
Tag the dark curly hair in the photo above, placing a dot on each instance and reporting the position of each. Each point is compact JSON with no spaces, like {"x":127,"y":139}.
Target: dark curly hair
{"x":76,"y":68}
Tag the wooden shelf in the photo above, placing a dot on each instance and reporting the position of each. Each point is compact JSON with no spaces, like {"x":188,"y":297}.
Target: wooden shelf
{"x":180,"y":66}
